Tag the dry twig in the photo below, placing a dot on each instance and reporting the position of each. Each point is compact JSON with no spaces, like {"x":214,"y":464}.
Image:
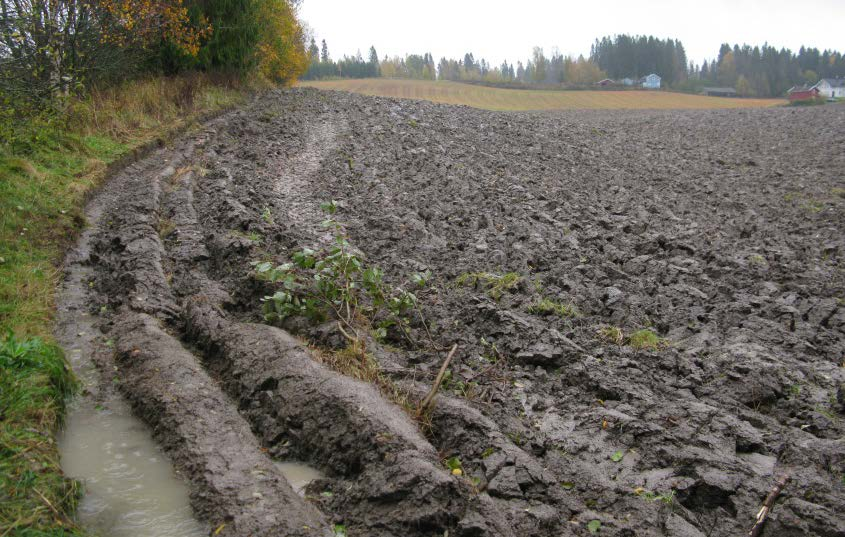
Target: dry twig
{"x":766,"y":508}
{"x":428,"y":402}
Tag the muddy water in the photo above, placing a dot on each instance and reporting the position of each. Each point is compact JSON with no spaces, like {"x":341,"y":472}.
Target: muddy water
{"x":298,"y":475}
{"x":131,"y":489}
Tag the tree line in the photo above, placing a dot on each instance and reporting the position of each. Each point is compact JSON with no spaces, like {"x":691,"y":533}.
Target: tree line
{"x":637,"y":56}
{"x":767,"y":71}
{"x":538,"y":69}
{"x":51,"y":49}
{"x":753,"y":71}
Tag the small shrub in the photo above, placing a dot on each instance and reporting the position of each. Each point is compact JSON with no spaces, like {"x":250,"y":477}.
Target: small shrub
{"x":335,"y":283}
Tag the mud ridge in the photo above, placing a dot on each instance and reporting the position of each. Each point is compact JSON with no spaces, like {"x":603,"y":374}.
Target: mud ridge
{"x":235,"y":485}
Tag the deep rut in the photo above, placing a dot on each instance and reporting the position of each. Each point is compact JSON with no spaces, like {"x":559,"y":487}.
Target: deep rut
{"x":221,"y":394}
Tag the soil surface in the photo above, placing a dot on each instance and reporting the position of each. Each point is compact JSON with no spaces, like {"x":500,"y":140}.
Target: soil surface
{"x":720,"y":233}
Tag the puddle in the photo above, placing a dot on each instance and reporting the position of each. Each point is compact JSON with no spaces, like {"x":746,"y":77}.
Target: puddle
{"x":130,"y":487}
{"x":298,"y":475}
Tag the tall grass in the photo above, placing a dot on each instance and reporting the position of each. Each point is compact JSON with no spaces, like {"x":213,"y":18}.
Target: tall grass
{"x":51,"y":163}
{"x":35,"y":499}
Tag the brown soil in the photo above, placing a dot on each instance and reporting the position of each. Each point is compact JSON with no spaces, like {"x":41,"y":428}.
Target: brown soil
{"x":720,"y":231}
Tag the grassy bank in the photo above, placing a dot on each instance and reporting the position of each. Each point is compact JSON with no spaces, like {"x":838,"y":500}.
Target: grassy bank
{"x":47,"y":168}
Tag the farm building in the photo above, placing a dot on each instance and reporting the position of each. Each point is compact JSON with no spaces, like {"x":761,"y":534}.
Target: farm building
{"x":606,"y":82}
{"x":719,"y":92}
{"x":651,"y":81}
{"x":803,"y":93}
{"x":831,"y":88}
{"x":627,"y":81}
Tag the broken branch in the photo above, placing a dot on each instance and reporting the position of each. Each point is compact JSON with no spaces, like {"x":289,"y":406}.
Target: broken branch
{"x":767,"y":506}
{"x":429,"y":399}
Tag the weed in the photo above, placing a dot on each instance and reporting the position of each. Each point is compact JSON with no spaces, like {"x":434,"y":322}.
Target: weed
{"x":335,"y":283}
{"x":666,"y":497}
{"x":646,"y":339}
{"x":354,"y":361}
{"x":487,"y":452}
{"x":454,"y":465}
{"x":166,"y":227}
{"x":267,"y":215}
{"x":612,"y":334}
{"x":643,"y":339}
{"x":467,"y":390}
{"x":550,"y":307}
{"x":756,"y":259}
{"x":496,"y":284}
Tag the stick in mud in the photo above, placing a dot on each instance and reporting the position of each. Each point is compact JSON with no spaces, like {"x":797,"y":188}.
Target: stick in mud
{"x":767,"y":506}
{"x":429,"y":399}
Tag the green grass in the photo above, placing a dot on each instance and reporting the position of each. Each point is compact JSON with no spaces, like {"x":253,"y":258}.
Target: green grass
{"x":547,"y":306}
{"x":496,"y":284}
{"x":35,"y":382}
{"x":645,"y":339}
{"x":48,"y":165}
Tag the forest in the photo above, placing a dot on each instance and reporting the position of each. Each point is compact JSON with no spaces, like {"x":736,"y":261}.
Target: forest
{"x":50,"y":51}
{"x":759,"y":71}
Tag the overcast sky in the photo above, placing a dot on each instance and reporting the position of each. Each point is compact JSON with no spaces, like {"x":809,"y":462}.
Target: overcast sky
{"x":498,"y":30}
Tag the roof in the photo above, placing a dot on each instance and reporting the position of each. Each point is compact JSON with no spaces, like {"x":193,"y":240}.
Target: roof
{"x":800,"y":88}
{"x":835,"y":82}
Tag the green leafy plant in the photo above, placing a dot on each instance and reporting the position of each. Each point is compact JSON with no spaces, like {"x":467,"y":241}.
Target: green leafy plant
{"x":617,"y":456}
{"x":594,"y":526}
{"x":267,"y":215}
{"x":336,"y":283}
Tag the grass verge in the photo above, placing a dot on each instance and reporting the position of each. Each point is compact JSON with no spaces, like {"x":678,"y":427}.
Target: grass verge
{"x":35,"y":498}
{"x":48,"y":167}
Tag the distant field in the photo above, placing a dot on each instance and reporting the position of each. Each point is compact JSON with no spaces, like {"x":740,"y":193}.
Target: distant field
{"x":508,"y":99}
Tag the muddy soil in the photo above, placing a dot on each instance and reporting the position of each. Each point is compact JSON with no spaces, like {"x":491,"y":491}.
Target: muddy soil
{"x":720,"y":232}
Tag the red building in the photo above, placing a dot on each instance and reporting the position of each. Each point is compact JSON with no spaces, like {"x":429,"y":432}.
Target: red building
{"x":803,"y":94}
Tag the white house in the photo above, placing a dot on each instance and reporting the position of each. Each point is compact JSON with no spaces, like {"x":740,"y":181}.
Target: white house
{"x":651,"y":81}
{"x":831,"y":87}
{"x":627,"y":81}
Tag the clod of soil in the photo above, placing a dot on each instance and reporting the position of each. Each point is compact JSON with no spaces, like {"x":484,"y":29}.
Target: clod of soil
{"x":687,"y":353}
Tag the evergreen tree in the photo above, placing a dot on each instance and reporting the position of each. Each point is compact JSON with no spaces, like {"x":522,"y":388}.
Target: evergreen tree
{"x":324,"y":52}
{"x":313,"y":51}
{"x":374,"y":63}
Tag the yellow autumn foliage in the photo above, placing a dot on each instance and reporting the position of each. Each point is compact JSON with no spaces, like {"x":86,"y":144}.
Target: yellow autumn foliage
{"x":281,"y":49}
